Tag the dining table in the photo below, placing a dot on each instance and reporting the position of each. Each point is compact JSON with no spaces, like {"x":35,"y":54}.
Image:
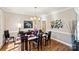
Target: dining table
{"x":25,"y":44}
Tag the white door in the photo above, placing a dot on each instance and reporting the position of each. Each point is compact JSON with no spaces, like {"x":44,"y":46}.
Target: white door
{"x":43,"y":26}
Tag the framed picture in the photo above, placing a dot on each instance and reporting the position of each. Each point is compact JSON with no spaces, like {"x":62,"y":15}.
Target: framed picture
{"x":28,"y":24}
{"x":56,"y":24}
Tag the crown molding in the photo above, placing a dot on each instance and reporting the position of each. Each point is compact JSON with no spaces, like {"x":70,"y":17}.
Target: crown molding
{"x":63,"y":10}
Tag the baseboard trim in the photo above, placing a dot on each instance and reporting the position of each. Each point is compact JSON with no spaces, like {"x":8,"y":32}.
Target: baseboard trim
{"x":1,"y":46}
{"x":63,"y":42}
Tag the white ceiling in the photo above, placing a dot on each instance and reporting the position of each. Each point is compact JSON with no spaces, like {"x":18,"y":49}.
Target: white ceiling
{"x":30,"y":11}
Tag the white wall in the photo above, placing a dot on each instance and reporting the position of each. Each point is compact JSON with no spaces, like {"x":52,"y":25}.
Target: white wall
{"x":63,"y":34}
{"x":1,"y":28}
{"x":12,"y":21}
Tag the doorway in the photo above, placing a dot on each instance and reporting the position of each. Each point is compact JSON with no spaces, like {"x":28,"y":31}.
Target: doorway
{"x":43,"y":26}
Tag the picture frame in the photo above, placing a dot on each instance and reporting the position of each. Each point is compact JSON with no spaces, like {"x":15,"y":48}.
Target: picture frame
{"x":57,"y":24}
{"x":28,"y":24}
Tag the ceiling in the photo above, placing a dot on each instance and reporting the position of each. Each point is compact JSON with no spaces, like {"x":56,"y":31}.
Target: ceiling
{"x":30,"y":11}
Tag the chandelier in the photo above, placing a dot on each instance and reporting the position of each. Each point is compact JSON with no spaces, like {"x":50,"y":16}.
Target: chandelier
{"x":35,"y":17}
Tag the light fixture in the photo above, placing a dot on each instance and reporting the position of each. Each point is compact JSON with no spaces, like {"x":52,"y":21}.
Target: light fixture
{"x":35,"y":17}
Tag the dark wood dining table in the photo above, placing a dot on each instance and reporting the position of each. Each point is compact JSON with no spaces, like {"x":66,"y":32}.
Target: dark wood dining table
{"x":25,"y":43}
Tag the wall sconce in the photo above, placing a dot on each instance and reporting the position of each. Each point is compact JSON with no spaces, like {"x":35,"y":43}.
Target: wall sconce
{"x":19,"y":26}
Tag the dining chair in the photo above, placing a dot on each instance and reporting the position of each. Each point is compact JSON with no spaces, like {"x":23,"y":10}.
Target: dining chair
{"x":48,"y":38}
{"x":32,"y":37}
{"x":8,"y":37}
{"x":38,"y":41}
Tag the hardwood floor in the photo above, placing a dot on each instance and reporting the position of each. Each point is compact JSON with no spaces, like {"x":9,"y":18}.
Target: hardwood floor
{"x":54,"y":46}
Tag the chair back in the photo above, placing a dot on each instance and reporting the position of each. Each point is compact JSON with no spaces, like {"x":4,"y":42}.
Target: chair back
{"x":21,"y":32}
{"x":22,"y":35}
{"x":49,"y":34}
{"x":40,"y":31}
{"x":6,"y":34}
{"x":35,"y":33}
{"x":29,"y":32}
{"x":40,"y":36}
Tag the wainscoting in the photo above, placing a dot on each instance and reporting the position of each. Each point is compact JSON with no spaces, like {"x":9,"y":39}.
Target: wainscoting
{"x":62,"y":37}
